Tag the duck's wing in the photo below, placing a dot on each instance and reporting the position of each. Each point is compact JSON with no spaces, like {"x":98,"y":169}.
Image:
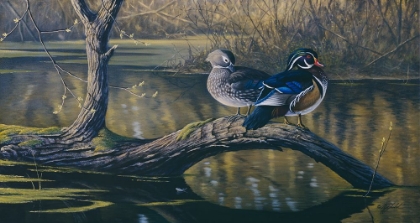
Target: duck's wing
{"x":247,"y":78}
{"x":282,"y":88}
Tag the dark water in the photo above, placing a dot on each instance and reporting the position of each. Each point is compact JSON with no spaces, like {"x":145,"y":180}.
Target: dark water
{"x":245,"y":186}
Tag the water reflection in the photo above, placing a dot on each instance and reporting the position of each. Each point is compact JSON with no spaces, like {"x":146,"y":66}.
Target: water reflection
{"x":154,"y":200}
{"x":246,"y":183}
{"x":143,"y":218}
{"x":355,"y":117}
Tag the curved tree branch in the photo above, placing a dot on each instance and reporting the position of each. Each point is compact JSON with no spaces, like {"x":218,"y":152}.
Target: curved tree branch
{"x":83,"y":11}
{"x":168,"y":156}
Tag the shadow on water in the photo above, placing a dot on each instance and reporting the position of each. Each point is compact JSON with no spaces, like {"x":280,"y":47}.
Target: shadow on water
{"x":96,"y":197}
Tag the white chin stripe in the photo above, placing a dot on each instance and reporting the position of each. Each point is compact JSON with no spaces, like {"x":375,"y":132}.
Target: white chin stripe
{"x":230,"y":67}
{"x":308,"y":66}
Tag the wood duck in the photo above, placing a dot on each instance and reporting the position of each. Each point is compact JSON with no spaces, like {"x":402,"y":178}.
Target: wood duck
{"x":233,"y":86}
{"x":291,"y":92}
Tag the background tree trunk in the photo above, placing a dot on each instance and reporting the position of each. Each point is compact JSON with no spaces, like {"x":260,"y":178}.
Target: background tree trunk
{"x":97,"y":29}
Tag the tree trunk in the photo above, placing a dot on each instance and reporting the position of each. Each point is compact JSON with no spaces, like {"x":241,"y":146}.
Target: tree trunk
{"x":168,"y":156}
{"x":97,"y":29}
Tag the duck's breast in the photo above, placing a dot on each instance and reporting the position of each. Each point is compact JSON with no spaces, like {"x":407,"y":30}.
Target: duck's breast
{"x":307,"y":101}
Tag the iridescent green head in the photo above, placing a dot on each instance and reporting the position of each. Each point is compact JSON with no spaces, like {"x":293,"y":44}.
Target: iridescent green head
{"x":303,"y":58}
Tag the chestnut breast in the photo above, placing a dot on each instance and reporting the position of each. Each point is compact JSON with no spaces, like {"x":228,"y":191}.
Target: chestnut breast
{"x":309,"y":99}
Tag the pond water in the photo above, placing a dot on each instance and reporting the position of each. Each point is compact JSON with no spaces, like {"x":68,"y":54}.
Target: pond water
{"x":244,"y":186}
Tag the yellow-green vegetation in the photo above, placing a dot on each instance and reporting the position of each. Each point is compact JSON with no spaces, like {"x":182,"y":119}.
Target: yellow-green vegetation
{"x":147,"y":179}
{"x":169,"y":203}
{"x":188,"y":129}
{"x":15,"y":178}
{"x":13,"y":163}
{"x":9,"y":130}
{"x":32,"y":142}
{"x":8,"y":71}
{"x":17,"y":196}
{"x":46,"y":169}
{"x":16,"y":53}
{"x":107,"y":140}
{"x":94,"y":205}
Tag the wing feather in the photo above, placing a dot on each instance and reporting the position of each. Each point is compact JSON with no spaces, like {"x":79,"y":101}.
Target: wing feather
{"x":247,"y":78}
{"x":284,"y":88}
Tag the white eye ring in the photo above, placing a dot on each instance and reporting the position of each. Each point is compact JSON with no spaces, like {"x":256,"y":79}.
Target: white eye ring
{"x":226,"y":60}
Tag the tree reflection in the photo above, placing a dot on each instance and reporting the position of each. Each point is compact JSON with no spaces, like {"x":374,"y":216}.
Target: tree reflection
{"x":138,"y":199}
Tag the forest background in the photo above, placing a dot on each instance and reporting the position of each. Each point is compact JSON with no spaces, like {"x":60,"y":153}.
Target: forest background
{"x":376,"y":38}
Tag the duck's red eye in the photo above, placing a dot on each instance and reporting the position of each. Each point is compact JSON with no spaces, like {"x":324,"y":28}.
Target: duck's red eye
{"x":308,"y":56}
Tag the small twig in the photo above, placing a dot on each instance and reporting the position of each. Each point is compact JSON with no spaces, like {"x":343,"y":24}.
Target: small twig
{"x":37,"y":173}
{"x":408,"y":74}
{"x":348,"y":41}
{"x":19,"y":19}
{"x":381,"y":152}
{"x":395,"y":49}
{"x":33,"y":185}
{"x":56,"y":66}
{"x":17,"y":22}
{"x":129,"y":91}
{"x":149,"y":12}
{"x":69,"y":29}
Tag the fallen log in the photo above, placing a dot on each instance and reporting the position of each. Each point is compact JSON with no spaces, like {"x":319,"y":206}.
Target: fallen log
{"x":172,"y":154}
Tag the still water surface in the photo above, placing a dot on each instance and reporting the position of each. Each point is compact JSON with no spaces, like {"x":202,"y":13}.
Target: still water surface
{"x":245,"y":186}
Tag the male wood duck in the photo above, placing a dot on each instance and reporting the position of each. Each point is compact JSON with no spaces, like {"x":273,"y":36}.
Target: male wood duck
{"x":292,"y":92}
{"x":234,"y":86}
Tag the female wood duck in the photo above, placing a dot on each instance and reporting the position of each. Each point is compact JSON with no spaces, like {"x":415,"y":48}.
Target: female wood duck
{"x":234,"y":86}
{"x":292,"y":92}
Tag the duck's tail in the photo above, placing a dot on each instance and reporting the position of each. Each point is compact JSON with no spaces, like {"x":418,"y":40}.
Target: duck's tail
{"x":262,"y":115}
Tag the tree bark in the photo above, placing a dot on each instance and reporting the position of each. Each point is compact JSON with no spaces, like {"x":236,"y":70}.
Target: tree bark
{"x":97,"y":29}
{"x":168,"y":156}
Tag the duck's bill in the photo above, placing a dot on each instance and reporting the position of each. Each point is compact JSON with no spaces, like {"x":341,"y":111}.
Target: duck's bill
{"x":318,"y":64}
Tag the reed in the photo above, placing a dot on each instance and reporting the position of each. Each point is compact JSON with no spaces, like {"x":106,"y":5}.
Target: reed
{"x":351,"y":36}
{"x":377,"y":37}
{"x":384,"y":144}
